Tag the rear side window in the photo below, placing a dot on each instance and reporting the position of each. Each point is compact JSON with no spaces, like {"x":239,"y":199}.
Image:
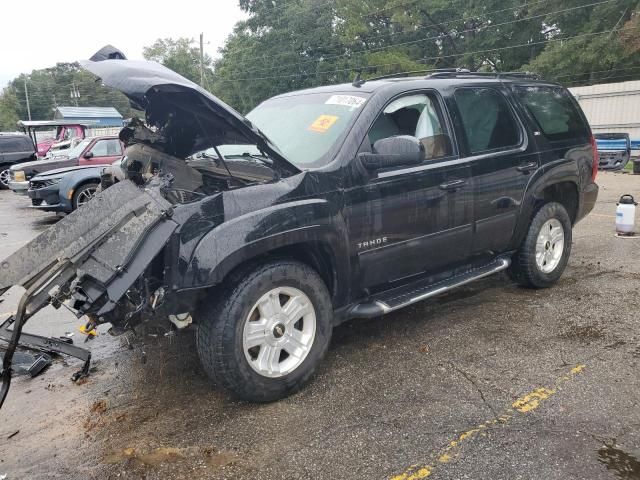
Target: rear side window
{"x":27,"y":145}
{"x":15,"y":144}
{"x":554,"y":111}
{"x":487,"y":119}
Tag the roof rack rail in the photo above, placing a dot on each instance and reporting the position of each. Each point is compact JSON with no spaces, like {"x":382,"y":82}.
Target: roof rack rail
{"x":401,"y":74}
{"x":460,"y":72}
{"x":445,"y":73}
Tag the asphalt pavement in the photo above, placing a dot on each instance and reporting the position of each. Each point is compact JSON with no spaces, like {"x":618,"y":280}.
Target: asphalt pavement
{"x":490,"y":381}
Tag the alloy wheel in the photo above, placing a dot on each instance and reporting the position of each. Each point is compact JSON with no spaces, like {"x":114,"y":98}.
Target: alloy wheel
{"x":279,"y":332}
{"x":86,"y":195}
{"x":549,"y":245}
{"x":4,"y":178}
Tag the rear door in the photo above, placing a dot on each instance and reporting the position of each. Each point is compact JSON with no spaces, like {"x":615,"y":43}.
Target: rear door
{"x":406,"y":221}
{"x":502,"y":158}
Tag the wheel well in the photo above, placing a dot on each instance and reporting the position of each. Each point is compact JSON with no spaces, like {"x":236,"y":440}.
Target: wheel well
{"x":315,"y":254}
{"x":566,"y":194}
{"x":84,"y":182}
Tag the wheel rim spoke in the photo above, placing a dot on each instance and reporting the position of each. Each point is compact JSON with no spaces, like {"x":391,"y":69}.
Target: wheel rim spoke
{"x":295,"y":344}
{"x":269,"y":306}
{"x":269,"y":359}
{"x":294,"y":309}
{"x":255,"y":333}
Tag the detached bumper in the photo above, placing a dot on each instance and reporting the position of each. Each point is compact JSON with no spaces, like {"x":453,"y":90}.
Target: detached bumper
{"x":19,"y":187}
{"x":612,"y":160}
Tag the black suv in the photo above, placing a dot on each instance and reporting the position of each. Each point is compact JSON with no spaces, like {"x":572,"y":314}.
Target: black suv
{"x":14,"y":148}
{"x":346,"y":201}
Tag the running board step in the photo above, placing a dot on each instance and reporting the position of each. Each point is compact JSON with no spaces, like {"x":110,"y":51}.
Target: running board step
{"x":397,"y":298}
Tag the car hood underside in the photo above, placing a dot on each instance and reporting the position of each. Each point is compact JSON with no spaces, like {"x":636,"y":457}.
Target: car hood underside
{"x":188,"y":119}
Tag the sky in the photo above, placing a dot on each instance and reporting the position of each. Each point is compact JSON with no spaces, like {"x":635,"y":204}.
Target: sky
{"x":57,"y":33}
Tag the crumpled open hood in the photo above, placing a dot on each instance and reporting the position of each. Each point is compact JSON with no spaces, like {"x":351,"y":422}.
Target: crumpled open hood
{"x":161,"y":92}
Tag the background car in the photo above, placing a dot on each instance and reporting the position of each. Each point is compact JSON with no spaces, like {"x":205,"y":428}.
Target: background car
{"x":14,"y":148}
{"x":91,"y":151}
{"x":65,"y":189}
{"x":65,"y":131}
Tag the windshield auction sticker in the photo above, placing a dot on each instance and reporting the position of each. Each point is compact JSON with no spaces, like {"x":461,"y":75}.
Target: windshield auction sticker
{"x":351,"y":101}
{"x":323,"y":123}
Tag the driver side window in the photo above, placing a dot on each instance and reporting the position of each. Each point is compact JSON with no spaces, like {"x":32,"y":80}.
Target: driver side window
{"x":417,"y":115}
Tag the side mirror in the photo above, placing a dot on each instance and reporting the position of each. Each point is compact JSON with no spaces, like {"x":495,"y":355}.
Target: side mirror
{"x":88,"y":155}
{"x":393,"y":152}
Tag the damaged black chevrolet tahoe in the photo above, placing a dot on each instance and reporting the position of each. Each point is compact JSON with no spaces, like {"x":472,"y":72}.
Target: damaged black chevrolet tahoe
{"x":346,"y":201}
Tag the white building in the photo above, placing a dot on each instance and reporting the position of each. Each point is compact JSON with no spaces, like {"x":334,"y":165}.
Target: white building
{"x":612,"y":107}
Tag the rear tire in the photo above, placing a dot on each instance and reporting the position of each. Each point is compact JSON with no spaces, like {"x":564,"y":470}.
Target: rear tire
{"x":544,"y":253}
{"x":255,"y":340}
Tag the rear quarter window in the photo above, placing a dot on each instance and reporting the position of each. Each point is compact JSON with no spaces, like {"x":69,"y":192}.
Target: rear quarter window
{"x":15,"y":144}
{"x":555,"y":112}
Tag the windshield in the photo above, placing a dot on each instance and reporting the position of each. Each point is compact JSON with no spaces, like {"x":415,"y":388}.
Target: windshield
{"x":75,"y":152}
{"x":306,"y":127}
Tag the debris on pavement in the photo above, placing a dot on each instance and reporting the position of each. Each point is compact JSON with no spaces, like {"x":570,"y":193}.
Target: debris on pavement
{"x":30,"y":364}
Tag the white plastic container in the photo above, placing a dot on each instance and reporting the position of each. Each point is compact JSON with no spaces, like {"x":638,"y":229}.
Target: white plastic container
{"x":626,"y":215}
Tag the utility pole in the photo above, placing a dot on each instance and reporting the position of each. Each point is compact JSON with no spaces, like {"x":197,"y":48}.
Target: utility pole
{"x":201,"y":60}
{"x":26,"y":96}
{"x":75,"y":94}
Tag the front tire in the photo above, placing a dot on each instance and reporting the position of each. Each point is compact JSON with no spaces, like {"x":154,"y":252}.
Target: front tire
{"x":263,"y":336}
{"x":83,"y":194}
{"x":4,"y":178}
{"x":544,"y":253}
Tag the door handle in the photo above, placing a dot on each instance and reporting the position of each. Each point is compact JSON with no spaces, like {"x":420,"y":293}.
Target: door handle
{"x":452,"y":185}
{"x":527,"y":167}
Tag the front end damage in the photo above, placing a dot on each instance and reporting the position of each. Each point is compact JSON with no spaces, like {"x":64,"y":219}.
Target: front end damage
{"x":115,"y":259}
{"x":93,"y":264}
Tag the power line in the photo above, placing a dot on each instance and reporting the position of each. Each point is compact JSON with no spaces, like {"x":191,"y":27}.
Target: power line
{"x":439,"y":57}
{"x":412,"y":42}
{"x":581,"y":83}
{"x":595,"y":71}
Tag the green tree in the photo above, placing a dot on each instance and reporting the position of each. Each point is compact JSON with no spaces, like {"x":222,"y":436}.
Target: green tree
{"x":181,"y":56}
{"x":291,"y":44}
{"x":9,"y":107}
{"x":51,"y":87}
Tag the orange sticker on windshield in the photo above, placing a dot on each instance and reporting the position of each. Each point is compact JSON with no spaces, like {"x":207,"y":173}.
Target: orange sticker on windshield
{"x":323,"y":123}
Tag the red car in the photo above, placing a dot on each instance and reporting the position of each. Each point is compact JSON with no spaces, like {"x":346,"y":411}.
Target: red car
{"x":90,"y":151}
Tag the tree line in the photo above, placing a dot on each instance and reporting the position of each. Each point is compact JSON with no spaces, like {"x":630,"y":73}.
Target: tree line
{"x":285,"y":45}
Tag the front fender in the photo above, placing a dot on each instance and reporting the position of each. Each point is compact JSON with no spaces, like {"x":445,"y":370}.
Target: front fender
{"x":312,"y":221}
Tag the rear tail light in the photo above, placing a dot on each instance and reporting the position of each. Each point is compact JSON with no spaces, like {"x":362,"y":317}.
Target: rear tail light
{"x":596,"y":158}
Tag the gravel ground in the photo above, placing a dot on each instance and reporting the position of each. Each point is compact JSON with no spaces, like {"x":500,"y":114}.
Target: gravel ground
{"x":487,"y":382}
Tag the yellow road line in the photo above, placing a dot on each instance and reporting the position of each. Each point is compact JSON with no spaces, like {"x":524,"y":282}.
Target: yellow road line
{"x":525,"y":404}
